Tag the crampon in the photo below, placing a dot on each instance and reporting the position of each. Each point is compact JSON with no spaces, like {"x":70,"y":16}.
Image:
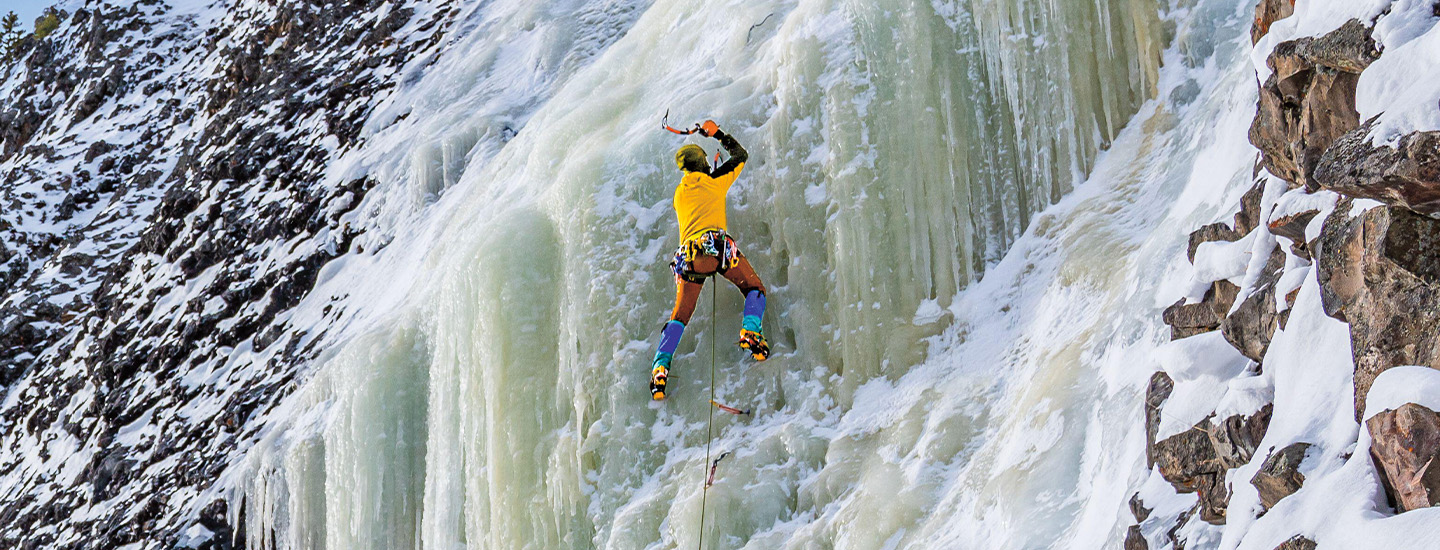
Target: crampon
{"x":755,"y":343}
{"x":658,"y":376}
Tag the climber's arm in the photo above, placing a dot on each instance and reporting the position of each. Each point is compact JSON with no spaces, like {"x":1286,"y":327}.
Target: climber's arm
{"x":737,"y":153}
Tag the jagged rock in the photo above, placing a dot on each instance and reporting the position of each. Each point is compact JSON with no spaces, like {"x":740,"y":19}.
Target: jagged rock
{"x":1155,"y":395}
{"x":1349,"y":48}
{"x":1405,"y":175}
{"x":1267,"y":12}
{"x":102,"y":280}
{"x":1252,"y":325}
{"x":1380,"y":272}
{"x":1309,"y":100}
{"x":1214,"y":498}
{"x":1185,"y":457}
{"x":1134,"y":540}
{"x":1248,"y":218}
{"x":96,"y":149}
{"x":1293,"y":227}
{"x":1236,"y":438}
{"x":1197,"y":459}
{"x":1176,"y":541}
{"x":1218,"y":231}
{"x":1406,"y":452}
{"x":1297,"y":543}
{"x":1138,"y":509}
{"x":1187,"y":320}
{"x":1279,"y":475}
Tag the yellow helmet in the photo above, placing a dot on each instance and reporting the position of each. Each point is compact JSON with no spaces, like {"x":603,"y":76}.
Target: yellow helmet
{"x":691,"y":158}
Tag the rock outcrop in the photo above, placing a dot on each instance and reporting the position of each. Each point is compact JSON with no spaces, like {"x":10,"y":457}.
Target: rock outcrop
{"x":1309,"y":100}
{"x":1380,"y":272}
{"x":1406,"y":174}
{"x":1251,"y":326}
{"x":1197,"y":459}
{"x":1155,"y":395}
{"x":1279,"y":475}
{"x":1406,"y":452}
{"x":1267,"y":12}
{"x":1297,"y":543}
{"x":160,"y":251}
{"x":1134,"y":540}
{"x":1187,"y":320}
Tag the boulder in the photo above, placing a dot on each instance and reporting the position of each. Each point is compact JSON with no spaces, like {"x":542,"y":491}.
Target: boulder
{"x":1248,"y":218}
{"x":1186,"y":457}
{"x":1309,"y":100}
{"x":1187,"y":320}
{"x":1218,"y":231}
{"x":1159,"y":390}
{"x":1251,"y":326}
{"x":1380,"y":272}
{"x":1138,"y":509}
{"x":1405,"y":449}
{"x":1279,"y":475}
{"x":1236,"y":438}
{"x":1347,"y":49}
{"x":1406,"y":174}
{"x":1197,"y":460}
{"x":1267,"y":12}
{"x":1297,"y":543}
{"x":1134,"y":540}
{"x":1293,"y":227}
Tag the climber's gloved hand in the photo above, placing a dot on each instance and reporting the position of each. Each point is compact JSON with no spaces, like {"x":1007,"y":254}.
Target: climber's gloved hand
{"x":709,"y":128}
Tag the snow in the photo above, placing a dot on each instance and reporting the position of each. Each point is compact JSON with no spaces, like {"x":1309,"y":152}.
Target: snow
{"x":1409,"y":40}
{"x":1202,"y":367}
{"x":1397,"y":386}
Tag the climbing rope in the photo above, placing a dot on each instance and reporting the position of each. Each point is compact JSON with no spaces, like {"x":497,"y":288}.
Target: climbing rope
{"x":709,"y":425}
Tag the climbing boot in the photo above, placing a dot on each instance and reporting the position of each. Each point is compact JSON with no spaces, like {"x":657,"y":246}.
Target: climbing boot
{"x":755,"y":343}
{"x":659,"y":375}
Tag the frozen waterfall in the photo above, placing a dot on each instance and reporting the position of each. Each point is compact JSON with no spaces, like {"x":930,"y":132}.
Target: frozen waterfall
{"x":487,"y":387}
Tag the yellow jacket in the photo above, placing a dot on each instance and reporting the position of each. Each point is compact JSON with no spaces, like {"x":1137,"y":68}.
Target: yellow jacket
{"x":700,"y":197}
{"x":700,"y":202}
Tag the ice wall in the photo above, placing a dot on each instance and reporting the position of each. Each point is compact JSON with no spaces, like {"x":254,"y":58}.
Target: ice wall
{"x":490,"y":391}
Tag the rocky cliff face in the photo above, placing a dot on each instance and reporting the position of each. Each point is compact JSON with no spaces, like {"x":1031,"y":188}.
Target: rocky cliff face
{"x":1357,"y":213}
{"x":168,"y":193}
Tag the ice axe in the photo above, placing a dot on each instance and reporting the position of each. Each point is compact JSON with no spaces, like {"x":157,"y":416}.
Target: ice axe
{"x":665,"y":124}
{"x":698,"y":129}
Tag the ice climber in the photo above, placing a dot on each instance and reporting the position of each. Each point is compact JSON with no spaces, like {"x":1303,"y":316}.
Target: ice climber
{"x":706,"y":250}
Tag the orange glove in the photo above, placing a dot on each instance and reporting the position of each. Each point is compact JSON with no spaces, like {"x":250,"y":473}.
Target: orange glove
{"x":709,"y":128}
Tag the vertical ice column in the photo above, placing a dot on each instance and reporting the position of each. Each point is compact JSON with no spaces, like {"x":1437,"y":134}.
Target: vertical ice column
{"x":916,"y":139}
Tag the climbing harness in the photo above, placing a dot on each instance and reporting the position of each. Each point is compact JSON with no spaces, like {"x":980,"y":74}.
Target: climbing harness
{"x":710,"y":243}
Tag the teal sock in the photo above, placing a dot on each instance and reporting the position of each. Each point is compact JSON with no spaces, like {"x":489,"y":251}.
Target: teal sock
{"x":751,"y":323}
